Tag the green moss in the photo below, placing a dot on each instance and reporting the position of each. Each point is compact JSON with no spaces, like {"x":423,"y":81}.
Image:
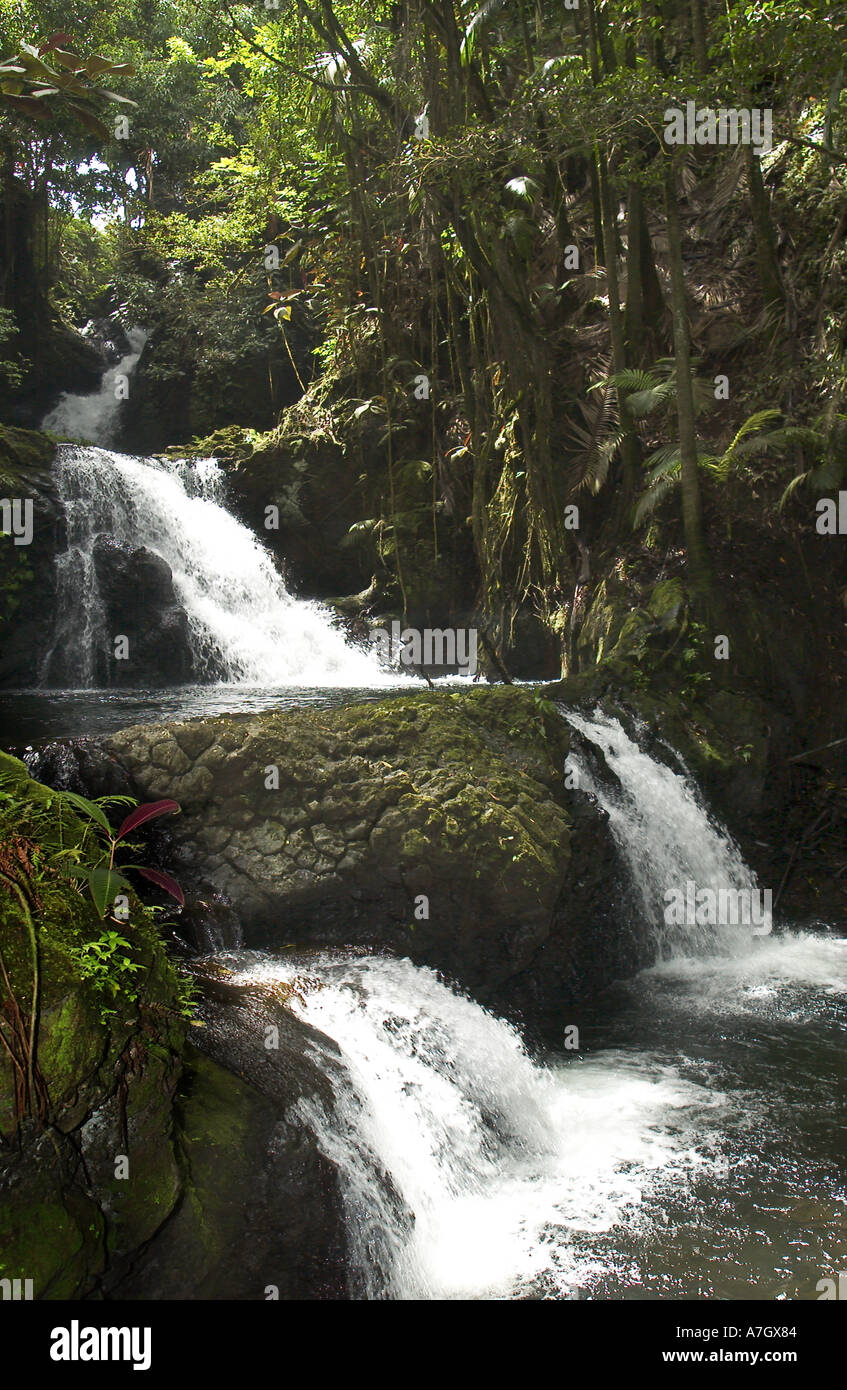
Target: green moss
{"x":216,"y":1115}
{"x":122,"y":1068}
{"x":24,"y":453}
{"x":54,"y":1238}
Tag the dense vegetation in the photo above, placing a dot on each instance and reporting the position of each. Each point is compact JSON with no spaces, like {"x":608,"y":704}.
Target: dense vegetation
{"x":557,"y":343}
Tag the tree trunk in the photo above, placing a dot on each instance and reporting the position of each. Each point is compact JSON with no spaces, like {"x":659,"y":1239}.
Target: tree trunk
{"x":692,"y":508}
{"x":698,"y":31}
{"x":629,"y":444}
{"x":767,"y":263}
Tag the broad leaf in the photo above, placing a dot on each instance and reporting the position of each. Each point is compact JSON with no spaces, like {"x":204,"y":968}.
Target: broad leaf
{"x":105,"y":884}
{"x":165,"y":881}
{"x":88,"y":808}
{"x":149,"y":811}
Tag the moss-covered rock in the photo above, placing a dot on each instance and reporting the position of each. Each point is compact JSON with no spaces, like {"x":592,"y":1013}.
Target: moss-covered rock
{"x":26,"y":571}
{"x":105,"y":1063}
{"x":260,"y":1216}
{"x":434,"y":823}
{"x":437,"y":825}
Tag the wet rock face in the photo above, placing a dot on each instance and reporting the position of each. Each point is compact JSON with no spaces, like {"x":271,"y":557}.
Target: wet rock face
{"x":27,"y":572}
{"x":436,"y":825}
{"x":261,"y":1215}
{"x":136,"y":587}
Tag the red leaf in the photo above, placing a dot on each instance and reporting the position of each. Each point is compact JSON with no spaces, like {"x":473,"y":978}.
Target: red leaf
{"x":165,"y":881}
{"x":149,"y":811}
{"x":55,"y":41}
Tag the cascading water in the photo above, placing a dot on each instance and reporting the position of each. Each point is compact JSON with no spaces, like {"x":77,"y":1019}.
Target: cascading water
{"x":467,"y":1169}
{"x":666,"y":837}
{"x":244,"y":625}
{"x":95,"y":417}
{"x":669,"y":1157}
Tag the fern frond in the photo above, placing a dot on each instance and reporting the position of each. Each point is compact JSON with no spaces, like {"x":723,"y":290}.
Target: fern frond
{"x":478,"y":22}
{"x":651,"y":499}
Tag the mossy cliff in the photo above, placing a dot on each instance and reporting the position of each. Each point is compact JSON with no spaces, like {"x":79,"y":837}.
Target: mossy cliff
{"x":27,"y":579}
{"x":99,"y":1123}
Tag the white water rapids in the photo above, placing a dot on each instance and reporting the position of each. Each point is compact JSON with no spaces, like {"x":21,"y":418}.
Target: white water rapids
{"x":244,"y":625}
{"x":471,"y":1170}
{"x":95,"y":417}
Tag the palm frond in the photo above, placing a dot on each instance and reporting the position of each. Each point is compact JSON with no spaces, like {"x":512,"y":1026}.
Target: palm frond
{"x":651,"y":499}
{"x":663,"y":461}
{"x":478,"y":22}
{"x":630,"y":379}
{"x":796,"y":482}
{"x":597,"y":441}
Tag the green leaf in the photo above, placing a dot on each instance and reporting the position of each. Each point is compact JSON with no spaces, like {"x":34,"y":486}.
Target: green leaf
{"x":88,"y":808}
{"x":105,"y":884}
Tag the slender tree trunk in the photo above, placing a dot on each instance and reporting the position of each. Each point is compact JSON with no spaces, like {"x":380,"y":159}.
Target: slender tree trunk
{"x":692,"y":507}
{"x":767,"y":262}
{"x":698,"y":32}
{"x":629,"y":444}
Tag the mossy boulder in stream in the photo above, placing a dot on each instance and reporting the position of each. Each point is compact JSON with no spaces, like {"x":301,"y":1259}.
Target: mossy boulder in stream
{"x":435,"y":824}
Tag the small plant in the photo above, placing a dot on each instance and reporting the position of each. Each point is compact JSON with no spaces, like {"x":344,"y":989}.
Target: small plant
{"x":99,"y":871}
{"x":109,"y":969}
{"x":542,"y":704}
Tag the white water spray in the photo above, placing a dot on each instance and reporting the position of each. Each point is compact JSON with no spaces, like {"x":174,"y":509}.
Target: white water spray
{"x":666,"y":836}
{"x":244,"y":625}
{"x":468,"y":1170}
{"x":95,"y":417}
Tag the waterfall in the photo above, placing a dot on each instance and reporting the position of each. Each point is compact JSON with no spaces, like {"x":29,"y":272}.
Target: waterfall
{"x":95,"y":417}
{"x":666,"y":836}
{"x":244,"y":626}
{"x":467,"y":1169}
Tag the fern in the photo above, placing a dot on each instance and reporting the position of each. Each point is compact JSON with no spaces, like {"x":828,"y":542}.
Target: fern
{"x":652,"y":498}
{"x":478,"y":22}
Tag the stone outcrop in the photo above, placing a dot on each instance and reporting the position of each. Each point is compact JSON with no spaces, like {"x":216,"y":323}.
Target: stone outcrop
{"x":137,"y":591}
{"x":435,"y":825}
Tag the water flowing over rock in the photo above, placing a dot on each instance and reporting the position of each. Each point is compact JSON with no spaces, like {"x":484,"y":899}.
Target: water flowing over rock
{"x":95,"y":416}
{"x":154,"y":556}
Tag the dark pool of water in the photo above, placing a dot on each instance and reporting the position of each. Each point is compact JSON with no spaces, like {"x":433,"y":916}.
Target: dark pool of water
{"x":30,"y":718}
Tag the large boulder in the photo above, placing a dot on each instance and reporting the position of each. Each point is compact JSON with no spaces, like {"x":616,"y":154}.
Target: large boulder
{"x":435,"y":825}
{"x":137,"y":591}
